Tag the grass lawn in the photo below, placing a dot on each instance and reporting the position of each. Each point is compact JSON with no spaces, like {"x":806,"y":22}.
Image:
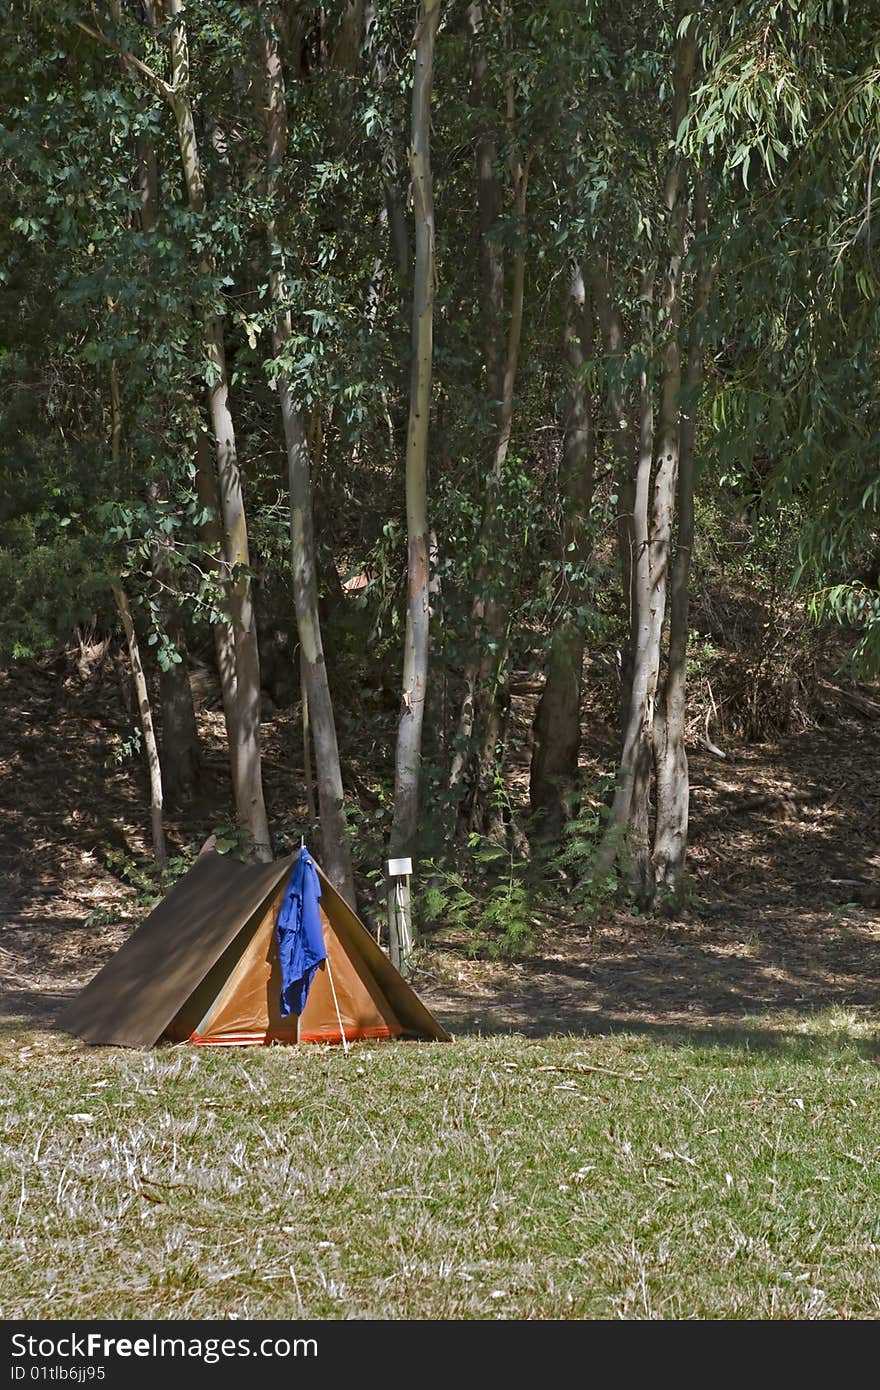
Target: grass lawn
{"x":659,"y":1174}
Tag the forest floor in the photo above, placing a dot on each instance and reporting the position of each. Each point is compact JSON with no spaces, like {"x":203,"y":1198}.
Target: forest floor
{"x":767,"y":930}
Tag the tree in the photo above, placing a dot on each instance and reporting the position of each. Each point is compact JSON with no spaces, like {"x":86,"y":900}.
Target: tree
{"x":142,"y":695}
{"x":404,"y":825}
{"x":479,"y":724}
{"x":652,"y":486}
{"x":316,"y":687}
{"x":553,"y":778}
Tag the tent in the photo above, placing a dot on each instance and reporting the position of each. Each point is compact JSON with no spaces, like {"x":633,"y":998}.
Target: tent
{"x":204,"y":968}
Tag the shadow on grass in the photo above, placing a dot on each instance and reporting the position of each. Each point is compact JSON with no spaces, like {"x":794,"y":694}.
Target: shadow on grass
{"x":808,"y":1037}
{"x":789,"y":1038}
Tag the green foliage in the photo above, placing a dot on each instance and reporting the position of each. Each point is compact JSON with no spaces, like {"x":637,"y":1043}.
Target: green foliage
{"x":150,"y":881}
{"x":573,"y":860}
{"x":858,"y":606}
{"x":102,"y":371}
{"x":128,"y":748}
{"x":233,"y":840}
{"x":486,"y":898}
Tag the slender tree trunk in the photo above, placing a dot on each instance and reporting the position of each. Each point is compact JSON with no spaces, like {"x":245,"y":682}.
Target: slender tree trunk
{"x":308,"y":775}
{"x":179,"y":747}
{"x":628,"y":834}
{"x":137,"y":671}
{"x":479,"y":723}
{"x":221,"y":627}
{"x":146,"y":718}
{"x":415,"y":661}
{"x":625,"y":453}
{"x":347,"y":40}
{"x":179,"y":744}
{"x":335,"y":848}
{"x":408,"y":760}
{"x":180,"y":737}
{"x":245,"y":751}
{"x":666,"y":466}
{"x":557,"y":726}
{"x":492,"y":612}
{"x":670,"y":755}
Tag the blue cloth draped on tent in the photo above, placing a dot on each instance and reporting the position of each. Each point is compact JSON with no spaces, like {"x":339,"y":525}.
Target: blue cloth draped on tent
{"x":300,"y":934}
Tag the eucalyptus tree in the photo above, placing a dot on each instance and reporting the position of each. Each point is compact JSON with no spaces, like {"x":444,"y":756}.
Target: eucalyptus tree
{"x":654,"y":474}
{"x":316,"y":688}
{"x":495,"y":106}
{"x":245,"y":749}
{"x":83,"y":223}
{"x":553,"y":773}
{"x":797,"y":131}
{"x":415,"y":661}
{"x":116,"y":47}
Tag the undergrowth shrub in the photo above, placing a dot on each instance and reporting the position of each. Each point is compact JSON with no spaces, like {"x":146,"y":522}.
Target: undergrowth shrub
{"x":755,"y":651}
{"x":487,"y":897}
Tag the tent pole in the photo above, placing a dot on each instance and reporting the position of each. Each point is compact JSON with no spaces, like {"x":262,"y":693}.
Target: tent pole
{"x":336,"y":1006}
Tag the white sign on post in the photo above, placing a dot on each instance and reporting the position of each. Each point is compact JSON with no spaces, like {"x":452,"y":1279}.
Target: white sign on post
{"x":398,"y":868}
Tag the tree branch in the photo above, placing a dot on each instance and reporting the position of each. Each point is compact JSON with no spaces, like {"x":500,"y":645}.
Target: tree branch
{"x":162,"y":87}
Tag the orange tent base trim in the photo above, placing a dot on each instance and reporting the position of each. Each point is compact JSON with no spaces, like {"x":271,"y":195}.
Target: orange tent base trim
{"x":361,"y":1034}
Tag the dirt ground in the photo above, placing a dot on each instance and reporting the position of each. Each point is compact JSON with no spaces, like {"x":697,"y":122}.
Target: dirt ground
{"x":768,"y":930}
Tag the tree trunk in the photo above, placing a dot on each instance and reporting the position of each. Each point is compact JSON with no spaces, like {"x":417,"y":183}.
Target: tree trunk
{"x":666,"y":462}
{"x":335,"y":848}
{"x":347,"y":39}
{"x":491,"y":704}
{"x":670,"y":755}
{"x":557,"y":726}
{"x":245,"y":751}
{"x":415,"y":661}
{"x":142,"y":693}
{"x":474,"y":759}
{"x":625,"y":453}
{"x":181,"y":763}
{"x":179,"y":745}
{"x":308,"y":775}
{"x":146,"y":718}
{"x":221,"y":627}
{"x":628,"y":835}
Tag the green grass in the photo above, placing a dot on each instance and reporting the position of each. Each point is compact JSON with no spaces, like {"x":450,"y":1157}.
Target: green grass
{"x":715,"y":1176}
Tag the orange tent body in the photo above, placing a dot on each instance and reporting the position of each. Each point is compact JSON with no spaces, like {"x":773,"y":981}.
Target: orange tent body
{"x":238,"y":1004}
